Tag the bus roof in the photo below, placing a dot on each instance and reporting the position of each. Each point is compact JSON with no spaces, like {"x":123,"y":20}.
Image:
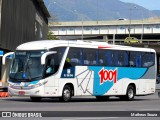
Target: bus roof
{"x":48,"y":44}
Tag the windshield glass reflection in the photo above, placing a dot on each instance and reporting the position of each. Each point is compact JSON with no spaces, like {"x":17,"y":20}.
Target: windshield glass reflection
{"x":26,"y":65}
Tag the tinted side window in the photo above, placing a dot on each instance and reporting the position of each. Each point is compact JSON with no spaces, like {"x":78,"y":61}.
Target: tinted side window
{"x":90,"y":56}
{"x":132,"y":59}
{"x":52,"y":65}
{"x":105,"y":57}
{"x":74,"y":56}
{"x":59,"y":54}
{"x":148,"y":59}
{"x":138,"y":59}
{"x":121,"y":58}
{"x":126,"y":58}
{"x":135,"y":59}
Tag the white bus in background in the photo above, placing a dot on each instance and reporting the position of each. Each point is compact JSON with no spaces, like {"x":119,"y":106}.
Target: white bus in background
{"x":80,"y":68}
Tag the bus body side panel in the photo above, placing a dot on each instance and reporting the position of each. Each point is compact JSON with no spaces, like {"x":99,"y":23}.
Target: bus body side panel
{"x":50,"y":88}
{"x":115,"y":80}
{"x":80,"y":77}
{"x":147,"y":83}
{"x":99,"y":81}
{"x":85,"y":80}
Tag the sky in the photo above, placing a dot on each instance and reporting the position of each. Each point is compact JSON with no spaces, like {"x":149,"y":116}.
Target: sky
{"x":148,"y":4}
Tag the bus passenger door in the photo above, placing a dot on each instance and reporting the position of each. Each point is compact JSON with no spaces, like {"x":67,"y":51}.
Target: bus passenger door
{"x":50,"y":69}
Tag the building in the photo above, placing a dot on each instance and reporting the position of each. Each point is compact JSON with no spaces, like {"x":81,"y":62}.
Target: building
{"x":22,"y":21}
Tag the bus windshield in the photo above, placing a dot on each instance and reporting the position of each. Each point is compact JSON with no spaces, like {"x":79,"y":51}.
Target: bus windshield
{"x":26,"y":65}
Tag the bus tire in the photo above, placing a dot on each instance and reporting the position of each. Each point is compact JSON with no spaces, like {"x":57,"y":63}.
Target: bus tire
{"x":36,"y":99}
{"x":102,"y":98}
{"x":130,"y":93}
{"x":66,"y":94}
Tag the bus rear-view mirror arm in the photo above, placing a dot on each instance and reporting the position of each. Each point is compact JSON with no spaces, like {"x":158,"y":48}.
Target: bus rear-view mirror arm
{"x":6,"y":55}
{"x":43,"y":57}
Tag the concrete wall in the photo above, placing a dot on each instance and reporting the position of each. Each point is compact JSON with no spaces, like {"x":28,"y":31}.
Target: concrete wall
{"x":106,"y":29}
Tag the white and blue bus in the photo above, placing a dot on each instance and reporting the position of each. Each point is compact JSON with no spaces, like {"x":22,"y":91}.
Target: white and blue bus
{"x":64,"y":69}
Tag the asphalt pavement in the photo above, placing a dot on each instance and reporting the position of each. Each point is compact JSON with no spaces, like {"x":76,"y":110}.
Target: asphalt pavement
{"x":114,"y":107}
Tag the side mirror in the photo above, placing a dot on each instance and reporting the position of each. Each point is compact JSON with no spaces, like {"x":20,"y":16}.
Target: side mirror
{"x":43,"y":57}
{"x":4,"y":57}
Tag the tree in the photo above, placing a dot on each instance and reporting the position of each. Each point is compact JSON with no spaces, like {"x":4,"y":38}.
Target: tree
{"x":51,"y":36}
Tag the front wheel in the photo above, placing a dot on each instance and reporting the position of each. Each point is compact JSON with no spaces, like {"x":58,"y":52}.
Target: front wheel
{"x":66,"y":94}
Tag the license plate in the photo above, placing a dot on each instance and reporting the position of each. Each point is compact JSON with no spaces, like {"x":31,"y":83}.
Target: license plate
{"x":21,"y":92}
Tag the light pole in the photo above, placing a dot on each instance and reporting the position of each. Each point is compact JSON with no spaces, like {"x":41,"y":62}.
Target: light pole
{"x":129,"y":28}
{"x":81,"y":21}
{"x":142,"y":28}
{"x":130,"y":13}
{"x":97,"y":12}
{"x":82,"y":26}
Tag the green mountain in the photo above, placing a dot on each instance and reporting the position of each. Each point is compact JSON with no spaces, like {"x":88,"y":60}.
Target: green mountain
{"x":78,"y":10}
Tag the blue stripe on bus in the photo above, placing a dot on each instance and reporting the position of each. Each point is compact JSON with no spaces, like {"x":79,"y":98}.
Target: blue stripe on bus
{"x":122,"y":72}
{"x":1,"y":53}
{"x":34,"y":82}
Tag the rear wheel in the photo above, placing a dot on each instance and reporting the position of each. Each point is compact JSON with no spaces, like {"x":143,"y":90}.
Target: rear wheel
{"x":36,"y":99}
{"x":130,"y":93}
{"x":66,"y":94}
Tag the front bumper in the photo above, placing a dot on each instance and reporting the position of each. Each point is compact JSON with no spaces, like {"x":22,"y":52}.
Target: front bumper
{"x":39,"y":91}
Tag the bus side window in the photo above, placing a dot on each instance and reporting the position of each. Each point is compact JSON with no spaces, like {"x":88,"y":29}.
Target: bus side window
{"x":135,"y":59}
{"x":116,"y":61}
{"x":50,"y":66}
{"x":105,"y":57}
{"x":74,"y":56}
{"x":148,"y":59}
{"x":101,"y":55}
{"x":126,"y":56}
{"x":59,"y":55}
{"x":132,"y":59}
{"x":109,"y":57}
{"x":121,"y":58}
{"x":138,"y":60}
{"x":67,"y":63}
{"x":90,"y":57}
